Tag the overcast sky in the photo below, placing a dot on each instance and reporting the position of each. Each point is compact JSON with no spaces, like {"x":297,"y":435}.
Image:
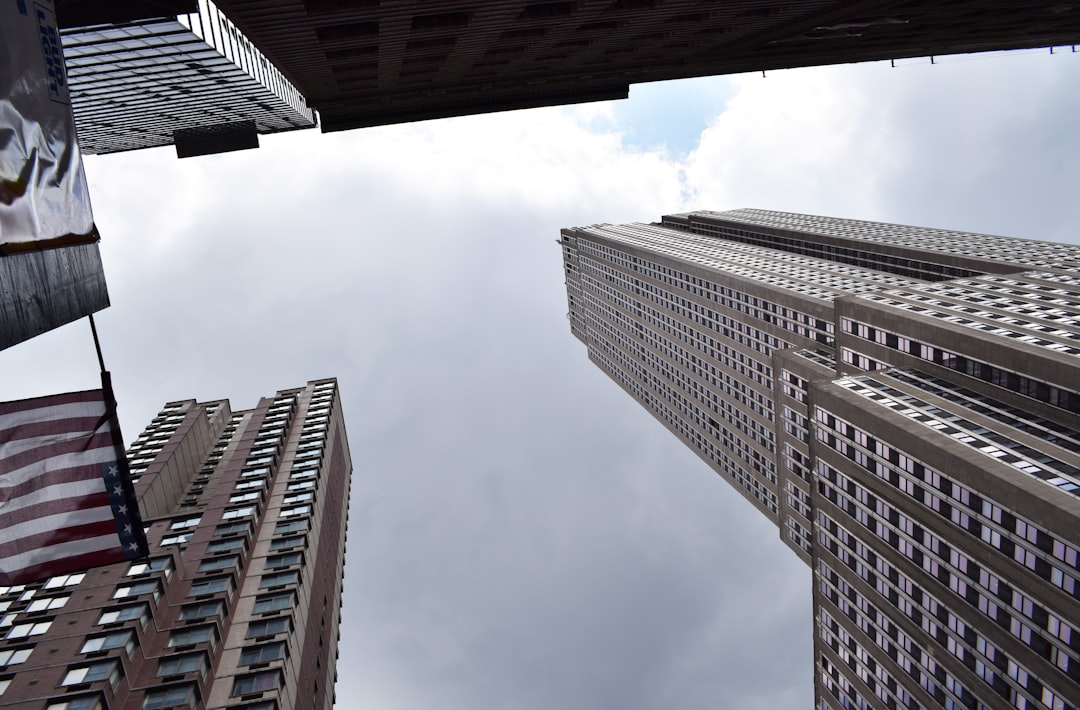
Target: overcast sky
{"x":522,"y":534}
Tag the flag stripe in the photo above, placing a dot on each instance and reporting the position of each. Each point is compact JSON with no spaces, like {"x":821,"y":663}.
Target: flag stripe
{"x":88,"y":444}
{"x":54,"y":400}
{"x":16,"y":565}
{"x":53,"y":500}
{"x":40,"y":431}
{"x":20,"y":476}
{"x":65,"y":565}
{"x":48,"y":478}
{"x":44,"y":540}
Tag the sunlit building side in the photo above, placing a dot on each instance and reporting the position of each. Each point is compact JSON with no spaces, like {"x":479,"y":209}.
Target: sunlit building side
{"x":239,"y":603}
{"x":903,"y":403}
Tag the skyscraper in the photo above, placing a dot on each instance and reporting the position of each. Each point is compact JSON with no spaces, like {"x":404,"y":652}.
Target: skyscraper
{"x":903,"y":403}
{"x":238,"y":604}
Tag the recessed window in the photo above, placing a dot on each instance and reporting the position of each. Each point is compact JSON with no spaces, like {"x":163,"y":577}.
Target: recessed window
{"x":232,"y":528}
{"x":274,"y":580}
{"x":106,"y":670}
{"x":287,"y":543}
{"x":269,"y":627}
{"x":286,"y":560}
{"x":64,"y":580}
{"x":290,"y":526}
{"x":213,"y":585}
{"x":117,"y":639}
{"x":171,"y":697}
{"x":230,"y":543}
{"x":125,"y":613}
{"x":203,"y":610}
{"x":14,"y":656}
{"x":77,"y":702}
{"x":46,"y":603}
{"x":189,"y":521}
{"x":274,"y":602}
{"x":150,"y":586}
{"x":21,"y":631}
{"x":158,"y":564}
{"x":234,"y":513}
{"x":255,"y":485}
{"x":177,"y":664}
{"x":217,"y":564}
{"x":293,"y":512}
{"x":245,"y":496}
{"x":257,"y":682}
{"x":194,"y":635}
{"x":298,"y":498}
{"x":4,"y":683}
{"x":176,"y":539}
{"x":262,"y":654}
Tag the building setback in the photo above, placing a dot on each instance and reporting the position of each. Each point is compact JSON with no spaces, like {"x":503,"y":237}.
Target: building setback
{"x":903,"y":403}
{"x":190,"y":80}
{"x":239,"y":603}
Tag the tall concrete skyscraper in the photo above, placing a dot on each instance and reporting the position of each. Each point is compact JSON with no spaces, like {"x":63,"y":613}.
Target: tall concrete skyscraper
{"x":904,"y":404}
{"x":239,"y":603}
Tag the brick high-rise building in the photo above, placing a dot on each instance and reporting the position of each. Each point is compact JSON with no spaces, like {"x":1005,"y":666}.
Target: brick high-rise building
{"x":239,"y":603}
{"x":903,"y":403}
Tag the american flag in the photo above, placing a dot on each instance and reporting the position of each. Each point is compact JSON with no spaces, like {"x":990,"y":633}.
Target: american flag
{"x":66,"y":500}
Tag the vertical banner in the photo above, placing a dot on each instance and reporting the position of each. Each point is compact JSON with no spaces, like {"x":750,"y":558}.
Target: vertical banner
{"x":66,"y":499}
{"x":44,"y":200}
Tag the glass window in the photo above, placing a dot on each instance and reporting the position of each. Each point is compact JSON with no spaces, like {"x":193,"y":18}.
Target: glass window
{"x":4,"y":683}
{"x":257,"y":484}
{"x":257,"y":682}
{"x":286,"y":560}
{"x":182,"y":663}
{"x":297,"y":498}
{"x":262,"y":654}
{"x":229,"y":543}
{"x":20,"y":631}
{"x":212,"y":585}
{"x":217,"y":564}
{"x":117,"y":639}
{"x":202,"y":610}
{"x":269,"y":627}
{"x":301,"y":485}
{"x":274,"y":602}
{"x":171,"y":697}
{"x":77,"y":702}
{"x":193,"y":635}
{"x":244,"y":512}
{"x":176,"y":539}
{"x":231,"y":528}
{"x":189,"y":521}
{"x":125,"y":613}
{"x":273,"y":580}
{"x":293,"y":512}
{"x":244,"y":497}
{"x":150,"y":586}
{"x":158,"y":564}
{"x":106,"y":670}
{"x":14,"y":656}
{"x":46,"y":603}
{"x":287,"y":543}
{"x":289,"y":526}
{"x":64,"y":580}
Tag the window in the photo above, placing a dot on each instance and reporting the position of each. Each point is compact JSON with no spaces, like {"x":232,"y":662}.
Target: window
{"x":176,"y":539}
{"x":46,"y":603}
{"x":262,"y":654}
{"x":186,"y":522}
{"x":124,"y":613}
{"x":77,"y":702}
{"x":255,"y":472}
{"x":117,"y":639}
{"x":158,"y":564}
{"x":64,"y":580}
{"x":234,"y":513}
{"x":291,"y":526}
{"x":230,"y":528}
{"x":202,"y":610}
{"x":297,"y":498}
{"x":287,"y":543}
{"x":286,"y":560}
{"x":229,"y":543}
{"x":218,"y":564}
{"x":274,"y":602}
{"x":106,"y":670}
{"x":4,"y":683}
{"x":182,"y":663}
{"x":194,"y":635}
{"x":269,"y":627}
{"x":21,"y":631}
{"x":257,"y":484}
{"x":274,"y":580}
{"x":212,"y":585}
{"x":151,"y":586}
{"x":257,"y":682}
{"x":293,"y":512}
{"x":171,"y":697}
{"x":301,"y":485}
{"x":244,"y":497}
{"x":14,"y":656}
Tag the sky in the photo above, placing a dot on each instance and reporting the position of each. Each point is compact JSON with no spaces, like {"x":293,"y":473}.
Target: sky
{"x":522,"y":534}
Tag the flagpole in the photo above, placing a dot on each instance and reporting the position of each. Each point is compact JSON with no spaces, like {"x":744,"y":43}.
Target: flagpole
{"x":97,"y":343}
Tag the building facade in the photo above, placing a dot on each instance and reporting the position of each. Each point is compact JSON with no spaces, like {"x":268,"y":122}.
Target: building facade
{"x":191,"y":80}
{"x":903,"y":403}
{"x":239,"y":602}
